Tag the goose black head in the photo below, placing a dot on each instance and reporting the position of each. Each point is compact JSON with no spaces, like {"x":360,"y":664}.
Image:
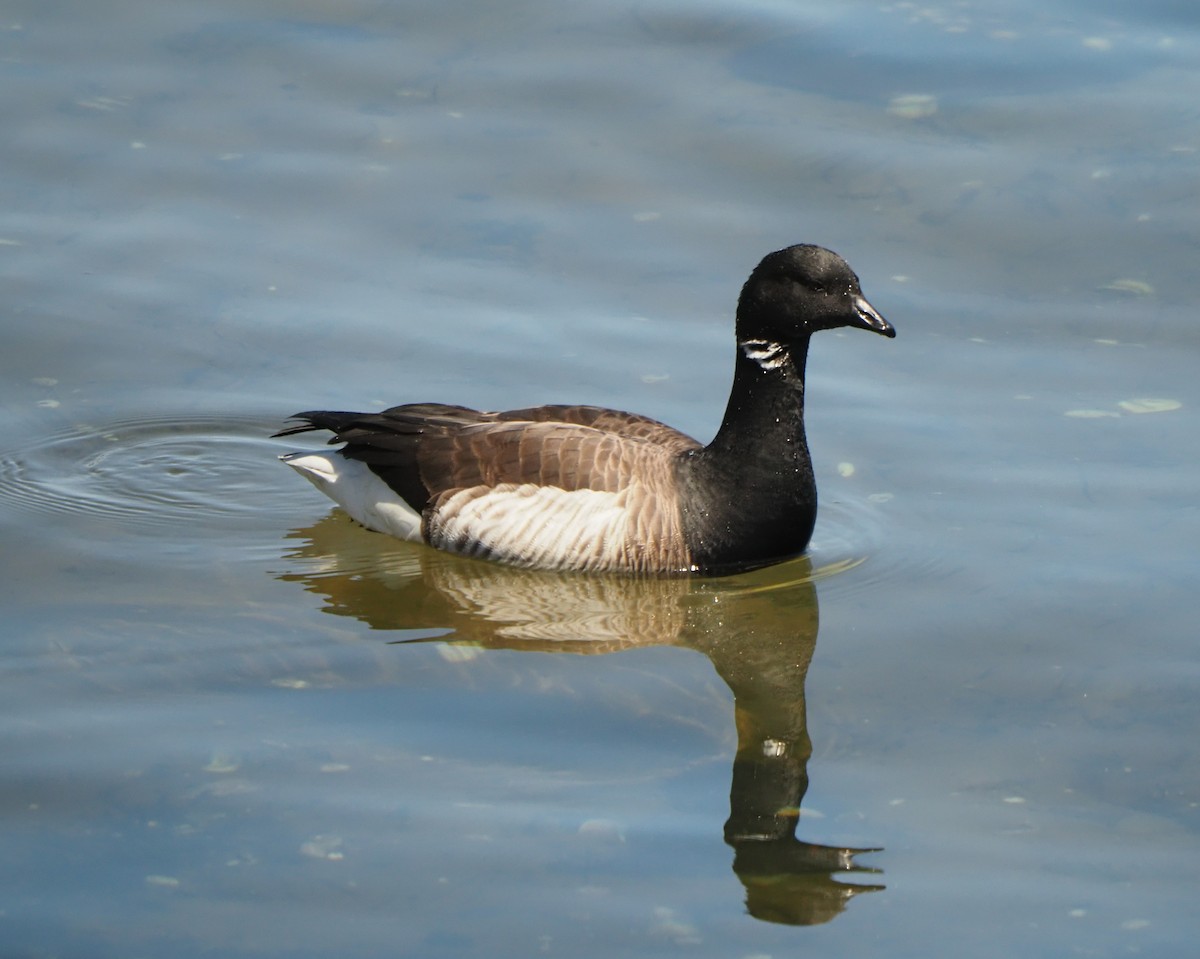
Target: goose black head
{"x":799,"y":290}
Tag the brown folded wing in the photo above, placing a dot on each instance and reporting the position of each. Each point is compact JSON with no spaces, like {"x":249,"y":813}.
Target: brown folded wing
{"x":496,"y":484}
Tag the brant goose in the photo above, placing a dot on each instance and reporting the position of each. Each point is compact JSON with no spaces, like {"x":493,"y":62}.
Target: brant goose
{"x":586,"y":488}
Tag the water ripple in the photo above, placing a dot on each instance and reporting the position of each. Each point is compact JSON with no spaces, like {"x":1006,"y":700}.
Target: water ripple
{"x":147,"y":473}
{"x":853,"y":533}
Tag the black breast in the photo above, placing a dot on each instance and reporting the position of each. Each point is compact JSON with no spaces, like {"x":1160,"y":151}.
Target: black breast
{"x":736,"y":519}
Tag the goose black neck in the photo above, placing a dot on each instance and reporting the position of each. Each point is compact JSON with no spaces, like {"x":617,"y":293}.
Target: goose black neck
{"x":750,"y":496}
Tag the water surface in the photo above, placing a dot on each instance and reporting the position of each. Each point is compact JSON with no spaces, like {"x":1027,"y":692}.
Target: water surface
{"x":236,"y":723}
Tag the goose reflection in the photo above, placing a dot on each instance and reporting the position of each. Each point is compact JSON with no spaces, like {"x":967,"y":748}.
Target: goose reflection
{"x":758,"y":629}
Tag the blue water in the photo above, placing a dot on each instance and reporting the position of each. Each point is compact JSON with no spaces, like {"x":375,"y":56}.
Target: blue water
{"x":236,"y":724}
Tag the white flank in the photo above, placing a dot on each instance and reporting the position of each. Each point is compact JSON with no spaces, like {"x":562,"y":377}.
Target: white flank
{"x":359,"y":492}
{"x":766,"y":353}
{"x":541,"y":526}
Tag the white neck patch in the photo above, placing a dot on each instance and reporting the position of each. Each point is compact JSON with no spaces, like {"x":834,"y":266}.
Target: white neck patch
{"x":766,"y":353}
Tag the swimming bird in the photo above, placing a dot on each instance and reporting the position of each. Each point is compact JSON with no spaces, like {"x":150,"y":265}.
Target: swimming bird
{"x":587,"y":488}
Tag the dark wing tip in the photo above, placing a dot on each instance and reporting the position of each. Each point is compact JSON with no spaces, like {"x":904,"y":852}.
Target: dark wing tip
{"x":331,"y":420}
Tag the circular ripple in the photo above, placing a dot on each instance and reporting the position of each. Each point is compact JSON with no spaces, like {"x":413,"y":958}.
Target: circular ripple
{"x":848,"y":533}
{"x":854,"y":534}
{"x":148,"y":473}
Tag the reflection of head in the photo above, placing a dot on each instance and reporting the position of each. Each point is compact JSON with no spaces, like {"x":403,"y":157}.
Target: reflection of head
{"x":778,"y":891}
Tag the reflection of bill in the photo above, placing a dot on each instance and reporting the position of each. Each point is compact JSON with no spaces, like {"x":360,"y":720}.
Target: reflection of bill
{"x":759,"y":630}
